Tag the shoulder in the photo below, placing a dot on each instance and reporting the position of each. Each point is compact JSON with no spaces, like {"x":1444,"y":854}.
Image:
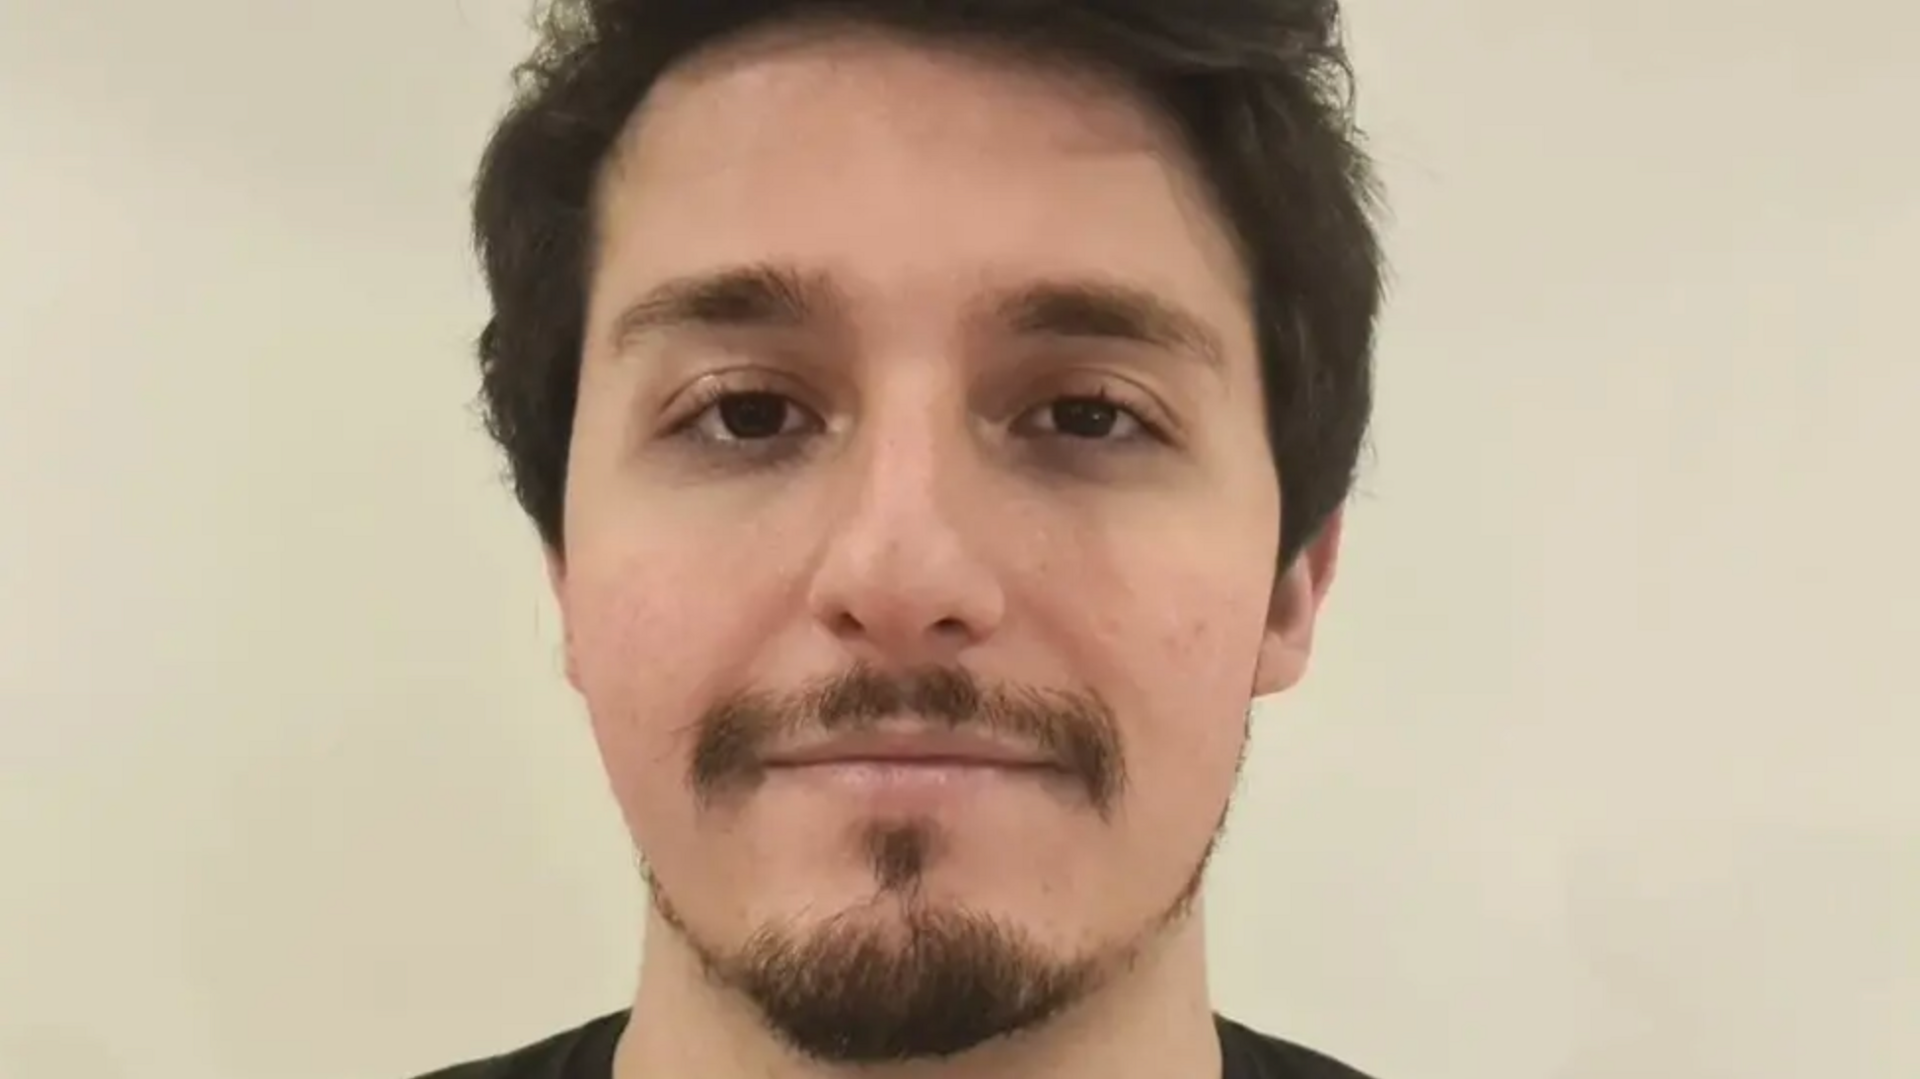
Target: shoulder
{"x":585,"y":1052}
{"x":1248,"y":1054}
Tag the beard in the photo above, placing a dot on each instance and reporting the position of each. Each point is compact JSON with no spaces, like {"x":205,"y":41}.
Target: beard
{"x":920,"y":982}
{"x":903,"y":976}
{"x":907,"y":978}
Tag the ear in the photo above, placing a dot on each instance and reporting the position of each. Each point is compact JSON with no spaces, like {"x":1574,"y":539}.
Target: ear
{"x":1295,"y":607}
{"x":557,"y":581}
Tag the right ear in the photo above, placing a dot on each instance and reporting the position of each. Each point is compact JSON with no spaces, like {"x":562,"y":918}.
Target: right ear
{"x":557,"y":582}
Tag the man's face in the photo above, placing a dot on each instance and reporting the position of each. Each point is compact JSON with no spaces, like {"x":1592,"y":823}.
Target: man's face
{"x":919,"y":418}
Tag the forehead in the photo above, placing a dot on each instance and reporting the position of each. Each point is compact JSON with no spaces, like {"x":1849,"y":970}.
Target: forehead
{"x":863,"y":80}
{"x":892,"y":164}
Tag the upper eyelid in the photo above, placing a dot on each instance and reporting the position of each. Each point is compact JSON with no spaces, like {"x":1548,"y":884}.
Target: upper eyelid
{"x":715,"y":386}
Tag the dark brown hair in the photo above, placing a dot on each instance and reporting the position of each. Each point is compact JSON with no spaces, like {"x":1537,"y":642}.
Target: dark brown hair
{"x":1260,"y":89}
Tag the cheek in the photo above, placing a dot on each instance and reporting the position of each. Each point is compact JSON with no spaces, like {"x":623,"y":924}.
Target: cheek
{"x":642,"y":647}
{"x":626,"y":624}
{"x":1180,"y":657}
{"x":1194,"y":695}
{"x":1176,"y":661}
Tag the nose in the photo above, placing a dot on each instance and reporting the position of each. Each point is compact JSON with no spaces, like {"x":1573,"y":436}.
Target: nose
{"x":902,"y":580}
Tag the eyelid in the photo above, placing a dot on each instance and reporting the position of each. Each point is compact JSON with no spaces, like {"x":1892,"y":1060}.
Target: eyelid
{"x":700,"y":402}
{"x":711,"y":387}
{"x":1120,"y":392}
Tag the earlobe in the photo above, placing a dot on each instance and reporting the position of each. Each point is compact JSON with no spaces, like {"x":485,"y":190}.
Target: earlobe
{"x":1295,"y":609}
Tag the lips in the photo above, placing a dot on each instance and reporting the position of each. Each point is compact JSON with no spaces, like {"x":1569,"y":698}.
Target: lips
{"x":925,"y":749}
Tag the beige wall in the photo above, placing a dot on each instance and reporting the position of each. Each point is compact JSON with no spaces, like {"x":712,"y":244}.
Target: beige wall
{"x":1607,"y":771}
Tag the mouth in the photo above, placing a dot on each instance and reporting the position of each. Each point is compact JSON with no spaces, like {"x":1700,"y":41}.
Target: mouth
{"x":915,"y":770}
{"x":910,"y":753}
{"x":912,"y":783}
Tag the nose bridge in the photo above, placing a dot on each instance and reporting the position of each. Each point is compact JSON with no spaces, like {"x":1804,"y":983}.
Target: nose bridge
{"x":907,"y":476}
{"x":903,"y":570}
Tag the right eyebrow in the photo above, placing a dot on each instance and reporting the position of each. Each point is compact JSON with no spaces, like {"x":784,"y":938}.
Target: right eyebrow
{"x":743,"y":297}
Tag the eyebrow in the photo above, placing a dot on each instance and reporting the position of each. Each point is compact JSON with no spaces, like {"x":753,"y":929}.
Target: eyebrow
{"x":744,"y":297}
{"x":1109,"y":311}
{"x":773,"y":297}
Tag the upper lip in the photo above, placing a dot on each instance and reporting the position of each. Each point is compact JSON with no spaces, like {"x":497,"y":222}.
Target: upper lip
{"x":911,"y":746}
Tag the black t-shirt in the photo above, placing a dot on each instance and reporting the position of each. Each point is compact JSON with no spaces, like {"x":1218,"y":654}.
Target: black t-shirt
{"x":587,"y":1053}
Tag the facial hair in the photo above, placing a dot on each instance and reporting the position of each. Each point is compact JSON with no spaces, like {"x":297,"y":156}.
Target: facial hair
{"x":903,"y":978}
{"x":1075,"y":729}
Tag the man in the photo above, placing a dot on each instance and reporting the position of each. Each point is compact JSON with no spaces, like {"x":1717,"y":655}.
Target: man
{"x":938,"y":417}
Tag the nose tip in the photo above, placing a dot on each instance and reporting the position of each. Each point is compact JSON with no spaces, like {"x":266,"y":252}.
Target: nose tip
{"x":906,"y":592}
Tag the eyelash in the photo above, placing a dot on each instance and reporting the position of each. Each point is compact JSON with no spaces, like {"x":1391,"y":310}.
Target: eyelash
{"x":1103,"y":396}
{"x":709,"y":396}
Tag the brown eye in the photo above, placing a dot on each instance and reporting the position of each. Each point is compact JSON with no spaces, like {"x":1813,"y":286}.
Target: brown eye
{"x":1086,"y":419}
{"x":754,"y":416}
{"x":1089,"y":419}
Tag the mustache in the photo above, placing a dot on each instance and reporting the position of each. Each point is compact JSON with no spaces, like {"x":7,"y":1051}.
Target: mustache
{"x":1075,"y":729}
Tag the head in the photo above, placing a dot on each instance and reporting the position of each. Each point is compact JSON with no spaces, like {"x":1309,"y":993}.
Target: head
{"x":974,"y":383}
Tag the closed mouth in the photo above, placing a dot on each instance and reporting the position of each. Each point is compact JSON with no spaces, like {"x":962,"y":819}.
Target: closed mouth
{"x":912,"y":749}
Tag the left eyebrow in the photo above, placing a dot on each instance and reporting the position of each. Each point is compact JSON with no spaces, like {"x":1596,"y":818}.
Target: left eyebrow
{"x":1104,"y":310}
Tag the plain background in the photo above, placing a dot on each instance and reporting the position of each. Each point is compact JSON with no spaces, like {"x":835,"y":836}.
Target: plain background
{"x":1607,"y":769}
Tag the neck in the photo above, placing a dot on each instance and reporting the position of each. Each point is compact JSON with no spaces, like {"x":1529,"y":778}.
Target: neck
{"x":1151,"y":1019}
